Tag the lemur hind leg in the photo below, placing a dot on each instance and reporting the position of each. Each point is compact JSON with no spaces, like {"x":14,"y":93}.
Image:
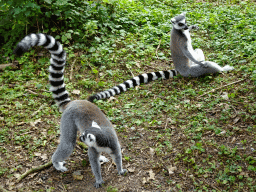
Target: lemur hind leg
{"x":67,"y":143}
{"x":118,"y":160}
{"x":212,"y":67}
{"x":199,"y":56}
{"x":196,"y":70}
{"x":94,"y":158}
{"x":63,"y":151}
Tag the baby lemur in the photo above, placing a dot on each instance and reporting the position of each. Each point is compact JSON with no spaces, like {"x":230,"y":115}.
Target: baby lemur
{"x":187,"y":62}
{"x":97,"y":131}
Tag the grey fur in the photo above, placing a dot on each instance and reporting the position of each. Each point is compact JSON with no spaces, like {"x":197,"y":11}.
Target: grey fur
{"x":189,"y":62}
{"x":96,"y":129}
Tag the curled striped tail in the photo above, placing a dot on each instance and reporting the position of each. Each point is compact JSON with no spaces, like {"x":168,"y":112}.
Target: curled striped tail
{"x":143,"y":78}
{"x":56,"y":69}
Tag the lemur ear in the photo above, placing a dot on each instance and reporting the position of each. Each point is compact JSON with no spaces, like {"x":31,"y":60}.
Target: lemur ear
{"x":95,"y":125}
{"x":91,"y":137}
{"x":173,"y":20}
{"x":184,"y":13}
{"x":82,"y":138}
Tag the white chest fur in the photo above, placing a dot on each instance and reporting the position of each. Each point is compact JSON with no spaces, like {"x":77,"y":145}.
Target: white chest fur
{"x":187,"y":34}
{"x":189,"y":43}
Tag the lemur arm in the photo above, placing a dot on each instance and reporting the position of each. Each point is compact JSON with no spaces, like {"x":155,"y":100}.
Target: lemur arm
{"x":190,"y":56}
{"x":193,"y":27}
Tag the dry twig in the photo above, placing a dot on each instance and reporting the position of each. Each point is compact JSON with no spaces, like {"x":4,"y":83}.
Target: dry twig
{"x":130,"y":71}
{"x":71,"y":71}
{"x":83,"y":145}
{"x":34,"y":170}
{"x":12,"y":65}
{"x":34,"y":93}
{"x":213,"y":90}
{"x":158,"y":48}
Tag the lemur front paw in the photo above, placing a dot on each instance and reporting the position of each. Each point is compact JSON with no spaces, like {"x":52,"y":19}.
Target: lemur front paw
{"x":99,"y":184}
{"x":60,"y":166}
{"x":204,"y":64}
{"x":122,"y":172}
{"x":194,"y":27}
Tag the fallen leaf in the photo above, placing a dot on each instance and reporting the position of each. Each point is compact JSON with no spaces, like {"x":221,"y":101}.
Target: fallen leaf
{"x":77,"y":175}
{"x":236,"y":120}
{"x":76,"y":92}
{"x":187,"y":101}
{"x":17,"y":175}
{"x":131,"y":169}
{"x":33,"y":124}
{"x":151,"y":175}
{"x":199,"y":105}
{"x":44,"y":156}
{"x":205,"y":121}
{"x":225,"y":95}
{"x":20,"y":123}
{"x":137,"y":64}
{"x":112,"y":98}
{"x":151,"y":151}
{"x":171,"y":169}
{"x":144,"y":180}
{"x":37,"y":154}
{"x":244,"y":174}
{"x":222,"y":132}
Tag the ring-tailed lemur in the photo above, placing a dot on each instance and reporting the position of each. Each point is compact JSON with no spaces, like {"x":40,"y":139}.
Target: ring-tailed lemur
{"x":187,"y":62}
{"x":97,"y":131}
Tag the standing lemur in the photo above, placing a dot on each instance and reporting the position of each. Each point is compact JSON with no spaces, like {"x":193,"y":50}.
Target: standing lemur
{"x":97,"y":131}
{"x":187,"y":62}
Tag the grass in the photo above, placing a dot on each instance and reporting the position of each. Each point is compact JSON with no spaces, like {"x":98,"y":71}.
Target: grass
{"x":209,"y":138}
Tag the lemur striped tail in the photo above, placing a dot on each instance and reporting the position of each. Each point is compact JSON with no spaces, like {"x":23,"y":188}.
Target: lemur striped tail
{"x":143,"y":78}
{"x":56,"y":69}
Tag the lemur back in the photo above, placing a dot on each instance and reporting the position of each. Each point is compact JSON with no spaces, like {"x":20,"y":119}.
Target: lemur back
{"x":189,"y":62}
{"x":96,"y":130}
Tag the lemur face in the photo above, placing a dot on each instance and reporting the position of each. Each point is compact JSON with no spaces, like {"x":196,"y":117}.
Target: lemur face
{"x":179,"y":22}
{"x":88,"y":139}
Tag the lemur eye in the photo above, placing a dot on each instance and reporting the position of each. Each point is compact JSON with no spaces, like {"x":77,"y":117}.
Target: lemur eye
{"x":180,"y":24}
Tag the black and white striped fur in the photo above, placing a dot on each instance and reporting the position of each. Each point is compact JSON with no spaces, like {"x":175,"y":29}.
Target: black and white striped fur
{"x":143,"y":78}
{"x":56,"y":69}
{"x":96,"y":130}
